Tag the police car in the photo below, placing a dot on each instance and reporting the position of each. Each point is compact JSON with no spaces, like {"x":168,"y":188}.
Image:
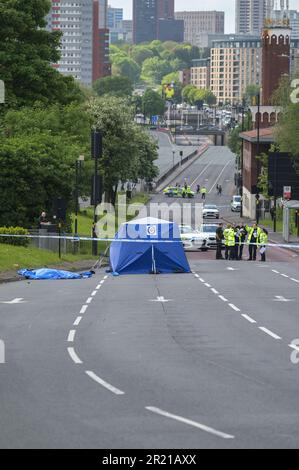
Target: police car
{"x":192,"y":240}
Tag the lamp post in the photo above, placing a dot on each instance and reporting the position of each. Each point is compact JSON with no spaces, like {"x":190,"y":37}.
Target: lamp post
{"x":78,"y":167}
{"x":242,"y":157}
{"x":96,"y":152}
{"x":173,"y":155}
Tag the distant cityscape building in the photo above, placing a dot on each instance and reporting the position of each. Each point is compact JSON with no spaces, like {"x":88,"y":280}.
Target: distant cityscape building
{"x":170,"y":30}
{"x":293,"y":17}
{"x":85,"y":38}
{"x":165,"y":9}
{"x":200,"y":73}
{"x":197,"y":22}
{"x":115,"y":17}
{"x":127,"y":28}
{"x":145,"y":18}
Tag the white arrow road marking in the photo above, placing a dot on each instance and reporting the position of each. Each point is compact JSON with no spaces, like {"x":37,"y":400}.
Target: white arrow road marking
{"x":280,"y":298}
{"x":14,"y":301}
{"x":160,"y":299}
{"x":195,"y":424}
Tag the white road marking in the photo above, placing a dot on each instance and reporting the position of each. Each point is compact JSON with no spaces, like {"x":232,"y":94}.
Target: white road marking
{"x":234,"y":308}
{"x":220,"y":174}
{"x":196,"y":275}
{"x":74,"y":356}
{"x":284,"y":275}
{"x":104,"y":384}
{"x":232,"y":269}
{"x":99,"y":286}
{"x":102,"y":282}
{"x":195,"y":424}
{"x":89,"y":300}
{"x":223,"y":298}
{"x":280,"y":298}
{"x":214,"y":291}
{"x":269,"y":332}
{"x":93,"y":293}
{"x":201,"y":280}
{"x":14,"y":301}
{"x":294,"y":280}
{"x":207,"y":285}
{"x":274,"y":271}
{"x":196,"y":179}
{"x":71,"y":336}
{"x":106,"y":277}
{"x":160,"y":299}
{"x":248,"y":318}
{"x":83,"y":309}
{"x":294,"y":347}
{"x":77,"y":321}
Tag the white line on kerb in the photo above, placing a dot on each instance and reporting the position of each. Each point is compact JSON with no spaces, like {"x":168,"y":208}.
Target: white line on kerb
{"x":74,"y":356}
{"x":93,"y":293}
{"x":88,"y":301}
{"x":269,"y":332}
{"x":195,"y":424}
{"x":104,"y":384}
{"x":77,"y":321}
{"x":71,"y":336}
{"x":214,"y":291}
{"x":84,"y":308}
{"x":223,"y":298}
{"x":248,"y":318}
{"x":234,"y":308}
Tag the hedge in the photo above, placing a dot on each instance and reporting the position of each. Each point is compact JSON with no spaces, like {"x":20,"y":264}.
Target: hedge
{"x":12,"y":240}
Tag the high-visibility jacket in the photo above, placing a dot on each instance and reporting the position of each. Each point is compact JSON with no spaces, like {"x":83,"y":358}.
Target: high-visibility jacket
{"x":231,"y":240}
{"x":250,"y":231}
{"x":225,"y":234}
{"x":203,"y":190}
{"x":263,"y":238}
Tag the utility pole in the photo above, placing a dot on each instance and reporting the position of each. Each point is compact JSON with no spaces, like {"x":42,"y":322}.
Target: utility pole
{"x":96,"y":153}
{"x":242,"y":157}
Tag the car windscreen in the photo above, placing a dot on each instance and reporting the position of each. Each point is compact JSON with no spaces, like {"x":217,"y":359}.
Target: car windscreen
{"x":237,"y":199}
{"x":210,"y":207}
{"x":208,"y":228}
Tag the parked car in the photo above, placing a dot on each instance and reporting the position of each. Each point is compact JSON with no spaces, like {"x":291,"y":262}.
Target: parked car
{"x":236,"y":204}
{"x":208,"y":231}
{"x":210,"y":211}
{"x":192,"y":240}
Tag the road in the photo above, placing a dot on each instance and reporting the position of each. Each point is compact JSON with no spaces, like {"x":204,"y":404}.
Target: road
{"x":202,"y":360}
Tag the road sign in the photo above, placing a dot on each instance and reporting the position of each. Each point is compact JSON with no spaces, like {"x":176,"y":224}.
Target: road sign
{"x":287,"y":192}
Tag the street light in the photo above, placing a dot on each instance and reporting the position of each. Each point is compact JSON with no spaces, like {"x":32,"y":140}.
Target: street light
{"x":78,"y":167}
{"x":173,"y":155}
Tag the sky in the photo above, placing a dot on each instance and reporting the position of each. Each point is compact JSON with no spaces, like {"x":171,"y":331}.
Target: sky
{"x":229,"y":8}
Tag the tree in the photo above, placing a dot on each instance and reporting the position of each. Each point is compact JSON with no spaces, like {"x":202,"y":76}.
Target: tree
{"x":152,"y":103}
{"x":26,"y":53}
{"x":141,"y":53}
{"x":126,"y":67}
{"x":188,"y":93}
{"x":154,"y":69}
{"x":34,"y":171}
{"x":126,"y":147}
{"x":251,"y":92}
{"x":116,"y":86}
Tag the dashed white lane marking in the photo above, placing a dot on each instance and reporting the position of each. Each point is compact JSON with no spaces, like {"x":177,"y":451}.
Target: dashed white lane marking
{"x":99,"y":286}
{"x":214,"y":291}
{"x":77,"y":321}
{"x":189,"y":422}
{"x":274,"y":271}
{"x":294,"y":280}
{"x":285,"y":275}
{"x":207,"y":285}
{"x":196,"y":275}
{"x":269,"y":332}
{"x":105,"y":277}
{"x":93,"y":293}
{"x":222,"y":298}
{"x":74,"y":356}
{"x":248,"y":318}
{"x":201,"y":280}
{"x":83,"y":309}
{"x":102,"y":281}
{"x":296,"y":348}
{"x":234,"y":308}
{"x":89,"y":300}
{"x":71,"y":336}
{"x":103,"y":383}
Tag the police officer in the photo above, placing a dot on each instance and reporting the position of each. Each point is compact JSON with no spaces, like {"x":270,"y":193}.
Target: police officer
{"x":226,"y":234}
{"x":242,"y":237}
{"x":262,"y":241}
{"x":203,"y":192}
{"x":252,"y":240}
{"x":219,"y":239}
{"x":231,"y":243}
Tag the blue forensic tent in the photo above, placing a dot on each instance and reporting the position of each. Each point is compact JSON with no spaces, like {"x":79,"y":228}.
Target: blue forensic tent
{"x":148,"y":246}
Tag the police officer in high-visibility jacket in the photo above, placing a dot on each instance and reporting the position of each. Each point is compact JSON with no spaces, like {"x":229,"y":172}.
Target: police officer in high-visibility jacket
{"x":262,"y":242}
{"x":231,"y":243}
{"x":252,"y":240}
{"x":225,"y":234}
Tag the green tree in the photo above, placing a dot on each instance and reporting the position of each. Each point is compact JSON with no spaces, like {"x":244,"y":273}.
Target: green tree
{"x":116,"y":85}
{"x":126,"y":67}
{"x":154,"y":69}
{"x":140,"y":54}
{"x":26,"y":53}
{"x":123,"y":155}
{"x":152,"y":103}
{"x":251,"y":92}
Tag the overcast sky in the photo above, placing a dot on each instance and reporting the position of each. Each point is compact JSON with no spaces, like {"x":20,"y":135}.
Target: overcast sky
{"x":198,"y":5}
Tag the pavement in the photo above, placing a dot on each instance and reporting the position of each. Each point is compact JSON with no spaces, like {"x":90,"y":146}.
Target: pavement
{"x":203,"y":360}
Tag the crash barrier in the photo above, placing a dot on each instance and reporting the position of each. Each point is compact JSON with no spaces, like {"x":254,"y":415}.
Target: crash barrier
{"x":179,"y":164}
{"x":140,"y":240}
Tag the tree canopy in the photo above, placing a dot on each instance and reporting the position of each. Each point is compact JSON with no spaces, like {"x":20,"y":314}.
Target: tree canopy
{"x":116,"y":85}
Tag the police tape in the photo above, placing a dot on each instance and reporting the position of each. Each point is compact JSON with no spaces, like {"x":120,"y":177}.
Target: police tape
{"x":141,"y":240}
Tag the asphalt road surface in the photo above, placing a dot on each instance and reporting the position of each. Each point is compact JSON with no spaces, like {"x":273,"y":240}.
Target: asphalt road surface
{"x":202,"y":360}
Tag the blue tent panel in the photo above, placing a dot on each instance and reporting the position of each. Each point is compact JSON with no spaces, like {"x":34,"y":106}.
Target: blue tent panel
{"x":142,"y":247}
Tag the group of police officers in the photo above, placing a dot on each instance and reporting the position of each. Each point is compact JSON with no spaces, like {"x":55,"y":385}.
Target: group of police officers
{"x":235,"y":237}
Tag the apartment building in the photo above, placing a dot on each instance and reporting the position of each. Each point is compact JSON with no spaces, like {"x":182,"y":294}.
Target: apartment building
{"x":197,"y":22}
{"x":200,"y":73}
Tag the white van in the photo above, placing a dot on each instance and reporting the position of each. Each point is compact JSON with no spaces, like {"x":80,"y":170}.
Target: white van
{"x":236,"y":204}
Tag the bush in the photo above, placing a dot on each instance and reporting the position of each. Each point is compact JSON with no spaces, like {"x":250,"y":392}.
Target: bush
{"x":14,"y":240}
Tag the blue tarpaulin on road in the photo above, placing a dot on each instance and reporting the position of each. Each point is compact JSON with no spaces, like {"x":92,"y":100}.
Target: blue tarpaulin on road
{"x":44,"y":273}
{"x":148,"y":246}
